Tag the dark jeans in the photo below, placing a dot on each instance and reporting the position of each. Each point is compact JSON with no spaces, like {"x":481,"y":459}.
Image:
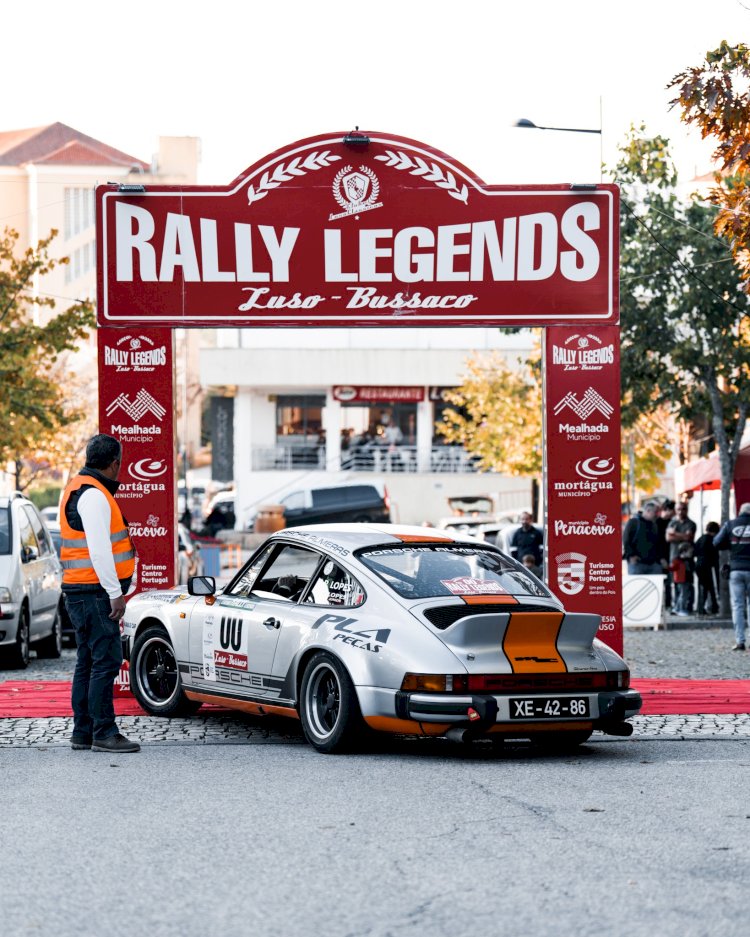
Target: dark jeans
{"x":97,"y":665}
{"x":706,"y":590}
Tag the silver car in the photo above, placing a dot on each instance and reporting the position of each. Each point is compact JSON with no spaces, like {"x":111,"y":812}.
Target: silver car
{"x":362,"y":628}
{"x":30,"y":584}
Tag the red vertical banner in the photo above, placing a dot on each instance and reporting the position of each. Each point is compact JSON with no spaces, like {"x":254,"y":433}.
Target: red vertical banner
{"x":136,"y":406}
{"x":583,"y":537}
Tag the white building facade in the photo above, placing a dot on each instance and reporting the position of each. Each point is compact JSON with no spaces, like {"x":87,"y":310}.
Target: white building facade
{"x":317,"y":407}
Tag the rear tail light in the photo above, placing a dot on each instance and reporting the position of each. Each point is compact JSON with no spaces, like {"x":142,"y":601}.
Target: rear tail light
{"x":434,"y":683}
{"x":618,"y":680}
{"x":514,"y":683}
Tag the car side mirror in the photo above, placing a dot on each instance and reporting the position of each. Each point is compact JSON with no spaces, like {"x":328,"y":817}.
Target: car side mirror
{"x":29,"y":553}
{"x":201,"y":585}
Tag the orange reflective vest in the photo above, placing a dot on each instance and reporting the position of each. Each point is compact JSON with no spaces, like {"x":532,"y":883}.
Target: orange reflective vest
{"x":74,"y":552}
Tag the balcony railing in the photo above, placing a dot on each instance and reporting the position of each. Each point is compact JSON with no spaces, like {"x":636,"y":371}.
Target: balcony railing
{"x":453,"y":459}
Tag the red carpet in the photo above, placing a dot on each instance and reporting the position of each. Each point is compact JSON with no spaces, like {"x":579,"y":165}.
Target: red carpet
{"x":692,"y":697}
{"x":42,"y":699}
{"x":30,"y":699}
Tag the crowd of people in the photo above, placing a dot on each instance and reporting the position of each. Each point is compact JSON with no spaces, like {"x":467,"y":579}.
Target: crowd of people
{"x":661,"y":538}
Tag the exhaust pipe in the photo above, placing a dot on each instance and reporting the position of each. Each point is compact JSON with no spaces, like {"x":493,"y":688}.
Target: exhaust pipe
{"x":617,"y":728}
{"x":458,"y":735}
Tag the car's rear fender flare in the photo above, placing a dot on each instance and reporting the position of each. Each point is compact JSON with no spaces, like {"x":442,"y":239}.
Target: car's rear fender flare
{"x":297,"y":672}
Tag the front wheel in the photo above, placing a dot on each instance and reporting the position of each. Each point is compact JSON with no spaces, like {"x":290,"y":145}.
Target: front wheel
{"x":155,"y":676}
{"x":329,"y":709}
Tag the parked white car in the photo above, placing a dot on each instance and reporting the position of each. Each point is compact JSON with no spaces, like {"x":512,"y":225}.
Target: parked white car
{"x":30,"y":584}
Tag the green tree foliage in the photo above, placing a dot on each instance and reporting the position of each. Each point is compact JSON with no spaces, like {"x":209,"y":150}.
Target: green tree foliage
{"x":683,"y":310}
{"x":715,"y":97}
{"x":498,"y":415}
{"x":33,"y":402}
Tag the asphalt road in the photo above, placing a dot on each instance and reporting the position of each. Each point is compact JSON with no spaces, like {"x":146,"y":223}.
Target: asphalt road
{"x":623,"y":838}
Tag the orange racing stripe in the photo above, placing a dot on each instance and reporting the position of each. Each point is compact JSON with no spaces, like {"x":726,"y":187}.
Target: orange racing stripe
{"x":530,"y":642}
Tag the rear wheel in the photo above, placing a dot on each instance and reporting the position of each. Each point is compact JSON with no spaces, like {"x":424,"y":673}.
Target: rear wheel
{"x":155,"y":676}
{"x":329,"y":709}
{"x":51,"y":646}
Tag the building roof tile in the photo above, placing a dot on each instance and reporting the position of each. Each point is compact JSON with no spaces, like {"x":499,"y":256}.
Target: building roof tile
{"x":58,"y":143}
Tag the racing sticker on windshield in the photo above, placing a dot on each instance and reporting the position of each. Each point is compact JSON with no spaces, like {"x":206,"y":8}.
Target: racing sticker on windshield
{"x":467,"y":585}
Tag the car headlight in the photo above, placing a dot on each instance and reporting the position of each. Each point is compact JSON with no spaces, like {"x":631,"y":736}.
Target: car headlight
{"x":5,"y":595}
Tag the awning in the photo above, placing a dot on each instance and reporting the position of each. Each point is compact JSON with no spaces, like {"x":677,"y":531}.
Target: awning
{"x":705,"y":474}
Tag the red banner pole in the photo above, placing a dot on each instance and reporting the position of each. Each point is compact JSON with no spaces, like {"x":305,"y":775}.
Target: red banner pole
{"x":583,"y":536}
{"x":136,"y":406}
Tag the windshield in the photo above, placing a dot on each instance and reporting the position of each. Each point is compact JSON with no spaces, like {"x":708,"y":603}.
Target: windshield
{"x":420,"y":572}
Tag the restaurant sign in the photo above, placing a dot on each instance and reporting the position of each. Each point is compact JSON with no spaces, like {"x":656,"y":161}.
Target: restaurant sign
{"x":380,"y":231}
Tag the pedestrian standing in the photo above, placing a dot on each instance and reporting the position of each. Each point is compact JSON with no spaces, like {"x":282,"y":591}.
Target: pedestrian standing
{"x":664,"y":515}
{"x":735,"y":536}
{"x":527,"y":540}
{"x":98,"y":561}
{"x":681,"y":530}
{"x":640,"y":542}
{"x":707,"y":569}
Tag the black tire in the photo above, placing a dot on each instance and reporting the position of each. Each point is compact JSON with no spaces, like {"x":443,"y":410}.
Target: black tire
{"x":17,"y":655}
{"x":329,"y":709}
{"x":51,"y":646}
{"x":155,"y":676}
{"x":561,"y":741}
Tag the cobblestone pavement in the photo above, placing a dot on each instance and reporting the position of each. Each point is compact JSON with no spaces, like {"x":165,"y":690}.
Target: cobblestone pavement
{"x":699,"y":654}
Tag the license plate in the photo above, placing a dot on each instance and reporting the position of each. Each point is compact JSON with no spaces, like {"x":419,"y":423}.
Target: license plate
{"x":549,"y":707}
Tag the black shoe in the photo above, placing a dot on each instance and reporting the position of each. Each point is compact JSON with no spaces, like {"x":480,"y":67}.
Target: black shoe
{"x":115,"y":743}
{"x":739,"y":647}
{"x":80,"y":743}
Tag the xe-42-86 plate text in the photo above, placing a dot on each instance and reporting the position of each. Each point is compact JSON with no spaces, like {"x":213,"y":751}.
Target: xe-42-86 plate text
{"x":549,"y":707}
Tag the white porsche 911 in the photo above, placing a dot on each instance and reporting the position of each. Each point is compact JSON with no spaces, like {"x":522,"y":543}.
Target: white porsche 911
{"x":358,"y":628}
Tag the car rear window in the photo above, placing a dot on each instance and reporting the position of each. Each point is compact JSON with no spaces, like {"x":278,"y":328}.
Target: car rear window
{"x":420,"y":572}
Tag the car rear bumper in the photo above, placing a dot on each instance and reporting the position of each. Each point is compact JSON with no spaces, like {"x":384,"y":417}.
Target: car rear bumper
{"x":485,"y":713}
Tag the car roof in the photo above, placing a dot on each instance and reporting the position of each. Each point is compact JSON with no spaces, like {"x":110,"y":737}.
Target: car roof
{"x":354,"y":536}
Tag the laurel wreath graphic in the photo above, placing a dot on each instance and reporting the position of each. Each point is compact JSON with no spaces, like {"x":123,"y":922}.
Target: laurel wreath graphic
{"x":374,"y":188}
{"x":285,"y":172}
{"x":432,"y":173}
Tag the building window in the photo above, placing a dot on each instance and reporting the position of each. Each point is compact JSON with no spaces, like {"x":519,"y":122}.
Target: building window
{"x":82,"y":261}
{"x":79,"y":210}
{"x":299,"y":419}
{"x":383,"y":423}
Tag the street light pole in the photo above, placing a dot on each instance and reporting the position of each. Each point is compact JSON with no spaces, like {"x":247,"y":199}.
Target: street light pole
{"x":525,"y":124}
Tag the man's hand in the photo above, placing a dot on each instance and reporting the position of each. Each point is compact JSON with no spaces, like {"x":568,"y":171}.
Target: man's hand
{"x":118,"y":608}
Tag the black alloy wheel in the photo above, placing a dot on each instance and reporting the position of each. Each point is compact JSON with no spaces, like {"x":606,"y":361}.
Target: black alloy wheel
{"x":329,"y":709}
{"x":155,"y":677}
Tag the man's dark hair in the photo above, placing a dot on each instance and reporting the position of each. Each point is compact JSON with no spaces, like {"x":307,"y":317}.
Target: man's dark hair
{"x":667,"y":505}
{"x":101,"y":451}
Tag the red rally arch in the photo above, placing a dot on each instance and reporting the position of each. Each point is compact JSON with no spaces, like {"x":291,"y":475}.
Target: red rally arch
{"x":371,"y":230}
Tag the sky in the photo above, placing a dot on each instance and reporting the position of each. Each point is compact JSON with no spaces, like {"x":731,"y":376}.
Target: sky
{"x":248,"y":78}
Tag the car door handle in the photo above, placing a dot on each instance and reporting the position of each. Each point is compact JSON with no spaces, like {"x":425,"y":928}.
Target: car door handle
{"x":272,"y":622}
